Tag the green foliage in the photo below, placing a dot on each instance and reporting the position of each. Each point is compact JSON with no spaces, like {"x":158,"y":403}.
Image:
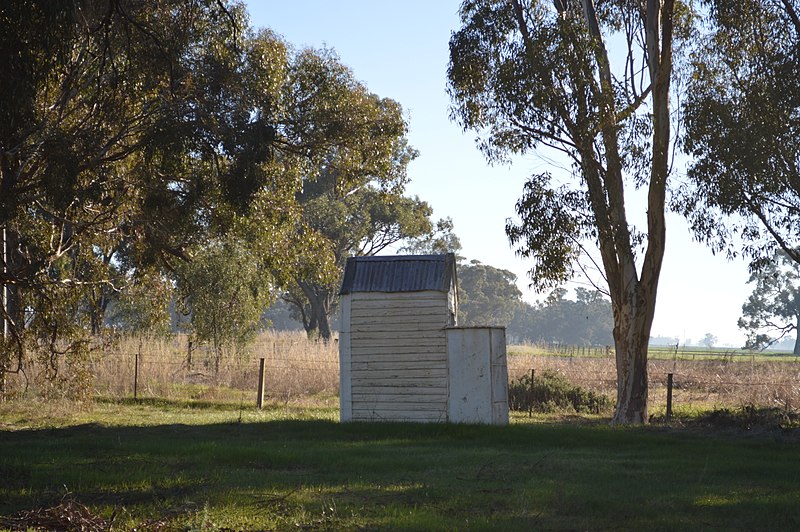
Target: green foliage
{"x":118,"y":139}
{"x":486,"y":295}
{"x":500,"y":88}
{"x":773,"y":309}
{"x":553,"y":246}
{"x":143,"y":305}
{"x":743,"y":130}
{"x":225,"y":291}
{"x":551,"y":392}
{"x":160,"y":145}
{"x":362,"y":222}
{"x":352,"y":195}
{"x":440,"y":241}
{"x":533,"y":74}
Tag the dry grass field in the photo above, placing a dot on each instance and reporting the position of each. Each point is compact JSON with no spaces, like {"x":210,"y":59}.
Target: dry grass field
{"x":297,"y":370}
{"x":303,"y":372}
{"x":697,"y":384}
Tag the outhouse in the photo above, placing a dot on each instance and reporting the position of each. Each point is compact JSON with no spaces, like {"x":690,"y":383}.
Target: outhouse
{"x":402,"y":358}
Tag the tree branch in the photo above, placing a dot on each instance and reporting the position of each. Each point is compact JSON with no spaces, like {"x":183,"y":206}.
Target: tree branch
{"x":790,"y":10}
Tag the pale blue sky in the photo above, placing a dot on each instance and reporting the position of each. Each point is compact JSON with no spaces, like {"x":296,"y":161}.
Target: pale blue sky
{"x":400,"y":50}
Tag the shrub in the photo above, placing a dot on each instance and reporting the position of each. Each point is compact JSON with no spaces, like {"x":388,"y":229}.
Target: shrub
{"x":552,"y":392}
{"x":750,"y":416}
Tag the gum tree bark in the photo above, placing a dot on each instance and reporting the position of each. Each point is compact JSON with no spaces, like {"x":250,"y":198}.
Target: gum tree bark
{"x":530,"y":74}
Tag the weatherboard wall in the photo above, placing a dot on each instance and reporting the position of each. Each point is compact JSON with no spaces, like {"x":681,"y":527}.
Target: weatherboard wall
{"x":393,"y":355}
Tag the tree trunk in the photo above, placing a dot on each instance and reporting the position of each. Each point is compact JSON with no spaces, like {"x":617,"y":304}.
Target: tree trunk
{"x":320,"y":308}
{"x":323,"y":326}
{"x":310,"y":325}
{"x":97,"y":315}
{"x":633,"y":296}
{"x":796,"y":350}
{"x":319,"y":300}
{"x":217,"y":354}
{"x":13,"y":308}
{"x":631,"y":338}
{"x":6,"y":325}
{"x":100,"y":300}
{"x":637,"y":305}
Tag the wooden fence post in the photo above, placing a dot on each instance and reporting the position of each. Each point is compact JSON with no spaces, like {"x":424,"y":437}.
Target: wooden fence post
{"x":530,"y":403}
{"x":136,"y":372}
{"x":260,"y":398}
{"x":189,"y":355}
{"x":669,"y":397}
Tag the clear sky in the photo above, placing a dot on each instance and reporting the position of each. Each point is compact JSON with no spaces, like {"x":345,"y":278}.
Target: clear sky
{"x":400,"y":50}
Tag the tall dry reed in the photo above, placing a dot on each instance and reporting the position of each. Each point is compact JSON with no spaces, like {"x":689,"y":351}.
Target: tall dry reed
{"x":701,"y":384}
{"x":179,"y":368}
{"x":305,"y":371}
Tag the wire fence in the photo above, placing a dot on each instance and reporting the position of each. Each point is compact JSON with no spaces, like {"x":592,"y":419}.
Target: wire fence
{"x":660,"y":352}
{"x":301,"y":370}
{"x":699,"y":383}
{"x":295,"y":369}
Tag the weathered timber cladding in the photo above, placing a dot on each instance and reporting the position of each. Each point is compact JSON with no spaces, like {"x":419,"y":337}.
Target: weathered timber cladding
{"x":478,"y":387}
{"x":398,"y":356}
{"x":401,"y":356}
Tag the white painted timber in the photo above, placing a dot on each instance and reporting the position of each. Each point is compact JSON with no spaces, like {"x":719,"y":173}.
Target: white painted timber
{"x":478,"y":377}
{"x":397,"y":366}
{"x":414,"y":416}
{"x":345,"y":355}
{"x":371,"y":365}
{"x":363,"y":385}
{"x":398,"y":361}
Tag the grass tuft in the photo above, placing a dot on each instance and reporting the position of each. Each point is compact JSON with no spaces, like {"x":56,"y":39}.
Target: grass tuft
{"x":550,"y":392}
{"x":750,"y":416}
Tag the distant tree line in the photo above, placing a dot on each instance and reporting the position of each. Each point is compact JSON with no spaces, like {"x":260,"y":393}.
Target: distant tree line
{"x":489,"y":296}
{"x":586,"y":320}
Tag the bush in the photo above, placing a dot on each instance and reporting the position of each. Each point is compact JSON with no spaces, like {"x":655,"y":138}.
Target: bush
{"x":552,"y":392}
{"x":749,"y":417}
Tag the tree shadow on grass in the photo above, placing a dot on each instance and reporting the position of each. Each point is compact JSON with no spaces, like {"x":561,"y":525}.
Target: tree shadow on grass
{"x":327,"y":474}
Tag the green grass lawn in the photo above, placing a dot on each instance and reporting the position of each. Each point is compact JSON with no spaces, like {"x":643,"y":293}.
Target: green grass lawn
{"x":661,"y":353}
{"x":162,"y":465}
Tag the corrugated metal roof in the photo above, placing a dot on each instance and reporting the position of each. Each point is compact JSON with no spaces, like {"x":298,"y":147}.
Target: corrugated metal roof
{"x":399,"y":273}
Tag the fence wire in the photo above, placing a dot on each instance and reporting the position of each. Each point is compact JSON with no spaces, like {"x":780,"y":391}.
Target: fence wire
{"x":298,"y":367}
{"x":724,"y":381}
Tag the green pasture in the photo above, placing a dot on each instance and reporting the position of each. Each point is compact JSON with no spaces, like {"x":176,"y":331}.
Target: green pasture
{"x":658,"y":353}
{"x":192,"y":466}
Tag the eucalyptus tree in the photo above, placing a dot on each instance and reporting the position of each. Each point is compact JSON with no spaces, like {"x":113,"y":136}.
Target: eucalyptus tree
{"x":441,"y":240}
{"x":773,"y":309}
{"x":743,"y":130}
{"x":132,"y":133}
{"x":353,"y":182}
{"x":527,"y":74}
{"x":363,"y":222}
{"x":486,"y":295}
{"x":110,"y":127}
{"x":225,"y":292}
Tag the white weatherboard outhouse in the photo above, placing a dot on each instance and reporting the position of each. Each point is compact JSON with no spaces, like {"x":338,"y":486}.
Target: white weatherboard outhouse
{"x":401,"y":356}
